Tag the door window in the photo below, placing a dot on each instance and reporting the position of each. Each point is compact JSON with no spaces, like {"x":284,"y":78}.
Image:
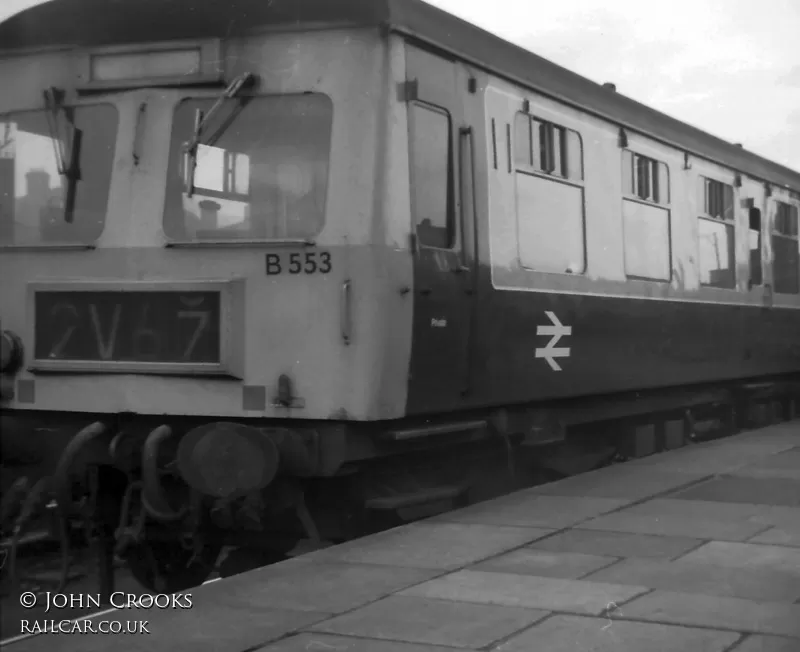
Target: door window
{"x":431,"y":175}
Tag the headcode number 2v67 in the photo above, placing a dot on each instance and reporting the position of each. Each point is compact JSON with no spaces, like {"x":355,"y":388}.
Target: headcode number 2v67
{"x":309,"y":262}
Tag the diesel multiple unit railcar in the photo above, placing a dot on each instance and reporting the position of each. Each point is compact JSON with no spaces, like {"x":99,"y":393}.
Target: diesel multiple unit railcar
{"x":267,"y":266}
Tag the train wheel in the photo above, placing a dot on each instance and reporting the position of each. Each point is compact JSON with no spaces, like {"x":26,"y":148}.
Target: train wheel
{"x":168,"y":567}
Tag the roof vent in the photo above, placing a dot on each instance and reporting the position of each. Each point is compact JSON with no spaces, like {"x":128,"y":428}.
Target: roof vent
{"x":610,"y":86}
{"x":737,"y":145}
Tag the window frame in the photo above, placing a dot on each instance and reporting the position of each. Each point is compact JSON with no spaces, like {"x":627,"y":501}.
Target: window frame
{"x":228,"y":192}
{"x":706,"y":183}
{"x":518,"y":167}
{"x":453,"y":235}
{"x":555,"y":160}
{"x":207,"y":193}
{"x":73,"y":107}
{"x":793,"y":211}
{"x":657,"y":195}
{"x":629,"y":193}
{"x":751,"y":211}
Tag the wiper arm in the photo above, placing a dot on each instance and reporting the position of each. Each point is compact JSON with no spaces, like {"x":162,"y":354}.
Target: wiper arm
{"x":73,"y":175}
{"x":201,"y":122}
{"x":54,"y":104}
{"x":67,"y":148}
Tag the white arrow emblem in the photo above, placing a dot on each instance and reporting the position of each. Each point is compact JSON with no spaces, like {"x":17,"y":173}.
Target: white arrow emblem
{"x":557,"y":331}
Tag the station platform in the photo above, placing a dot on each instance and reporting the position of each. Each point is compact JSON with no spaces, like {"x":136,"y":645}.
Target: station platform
{"x":693,"y":550}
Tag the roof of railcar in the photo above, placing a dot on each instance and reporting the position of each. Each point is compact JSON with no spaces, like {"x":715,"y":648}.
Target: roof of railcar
{"x":99,"y":22}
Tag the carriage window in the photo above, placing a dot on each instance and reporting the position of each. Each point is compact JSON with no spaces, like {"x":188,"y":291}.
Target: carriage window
{"x":645,"y":218}
{"x":645,"y":178}
{"x":549,"y":197}
{"x":37,"y":204}
{"x":547,"y":148}
{"x":431,"y":175}
{"x":646,"y":238}
{"x":786,"y":249}
{"x":717,"y":199}
{"x":754,"y":218}
{"x":261,"y":169}
{"x":716,"y":234}
{"x":716,"y":254}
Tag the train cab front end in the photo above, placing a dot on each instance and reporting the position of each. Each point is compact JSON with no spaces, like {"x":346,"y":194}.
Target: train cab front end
{"x":189,"y":227}
{"x":194,"y":260}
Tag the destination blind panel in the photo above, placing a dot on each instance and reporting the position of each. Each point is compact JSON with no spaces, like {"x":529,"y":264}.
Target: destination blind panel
{"x":128,"y":327}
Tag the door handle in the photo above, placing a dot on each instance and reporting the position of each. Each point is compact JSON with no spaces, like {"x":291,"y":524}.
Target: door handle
{"x":346,"y":313}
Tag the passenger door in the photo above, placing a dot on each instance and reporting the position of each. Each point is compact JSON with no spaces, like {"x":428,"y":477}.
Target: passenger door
{"x":441,"y":151}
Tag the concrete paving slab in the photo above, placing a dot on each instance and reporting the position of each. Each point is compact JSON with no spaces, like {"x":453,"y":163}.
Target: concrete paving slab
{"x":701,"y":508}
{"x":785,"y":536}
{"x":710,"y":457}
{"x":777,"y":516}
{"x":703,"y":577}
{"x":690,"y":518}
{"x":573,"y":596}
{"x":777,"y":432}
{"x":784,"y":439}
{"x":230,"y":586}
{"x":582,"y":634}
{"x":317,"y":586}
{"x":525,"y":561}
{"x":526,"y":509}
{"x":675,"y":525}
{"x":744,"y":556}
{"x":434,"y":622}
{"x":760,"y":472}
{"x":444,"y":546}
{"x":329,"y":643}
{"x":746,"y":490}
{"x":783,"y":465}
{"x":716,"y":612}
{"x":226,"y":627}
{"x":789,"y":459}
{"x":617,"y":544}
{"x":756,"y":643}
{"x":620,"y":482}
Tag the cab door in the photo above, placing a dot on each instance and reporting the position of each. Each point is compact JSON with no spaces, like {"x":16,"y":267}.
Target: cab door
{"x":440,"y":148}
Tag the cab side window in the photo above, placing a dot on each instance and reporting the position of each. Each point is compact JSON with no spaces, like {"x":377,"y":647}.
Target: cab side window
{"x":431,"y":175}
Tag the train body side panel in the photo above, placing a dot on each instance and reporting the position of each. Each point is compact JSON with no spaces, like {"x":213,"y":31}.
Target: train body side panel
{"x":543,"y":335}
{"x":604,"y":331}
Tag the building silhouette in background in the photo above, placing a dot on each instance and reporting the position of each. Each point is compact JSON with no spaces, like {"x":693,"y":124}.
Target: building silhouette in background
{"x":32,"y":217}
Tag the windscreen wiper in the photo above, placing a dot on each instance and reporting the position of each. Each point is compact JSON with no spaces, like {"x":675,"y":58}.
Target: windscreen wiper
{"x":67,"y":146}
{"x":6,"y":141}
{"x":201,"y":122}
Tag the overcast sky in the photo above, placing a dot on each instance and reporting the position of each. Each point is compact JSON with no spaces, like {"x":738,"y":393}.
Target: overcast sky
{"x":729,"y":67}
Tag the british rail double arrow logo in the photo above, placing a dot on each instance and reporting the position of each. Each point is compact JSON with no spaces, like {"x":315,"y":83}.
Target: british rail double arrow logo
{"x":556,"y":331}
